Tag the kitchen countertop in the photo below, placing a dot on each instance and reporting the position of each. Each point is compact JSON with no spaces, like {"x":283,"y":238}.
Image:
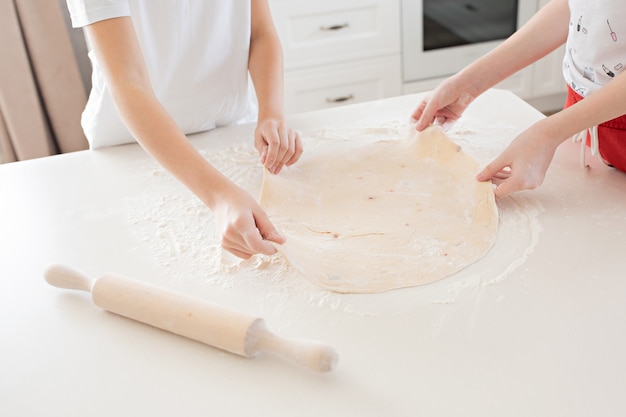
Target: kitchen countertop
{"x":546,"y":338}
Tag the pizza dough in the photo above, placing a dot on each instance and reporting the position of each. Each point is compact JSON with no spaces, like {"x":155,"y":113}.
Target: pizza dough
{"x":376,"y":216}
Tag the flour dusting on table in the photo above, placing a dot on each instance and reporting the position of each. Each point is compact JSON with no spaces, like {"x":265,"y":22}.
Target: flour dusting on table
{"x":180,"y":231}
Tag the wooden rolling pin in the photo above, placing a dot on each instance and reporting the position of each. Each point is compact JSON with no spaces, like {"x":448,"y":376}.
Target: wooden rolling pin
{"x":217,"y":326}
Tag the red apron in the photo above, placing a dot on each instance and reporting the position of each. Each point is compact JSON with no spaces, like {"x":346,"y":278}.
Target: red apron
{"x":611,"y":136}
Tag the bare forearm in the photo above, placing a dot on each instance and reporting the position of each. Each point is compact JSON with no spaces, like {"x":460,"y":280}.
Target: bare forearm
{"x":159,"y":135}
{"x":118,"y":51}
{"x":603,"y":105}
{"x":542,"y":34}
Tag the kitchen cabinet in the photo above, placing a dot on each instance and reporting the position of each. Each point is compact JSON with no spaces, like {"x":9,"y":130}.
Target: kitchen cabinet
{"x":349,"y":51}
{"x":338,"y":52}
{"x":343,"y":83}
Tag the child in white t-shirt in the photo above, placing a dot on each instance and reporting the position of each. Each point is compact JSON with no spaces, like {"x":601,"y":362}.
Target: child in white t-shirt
{"x":164,"y":69}
{"x":593,"y":69}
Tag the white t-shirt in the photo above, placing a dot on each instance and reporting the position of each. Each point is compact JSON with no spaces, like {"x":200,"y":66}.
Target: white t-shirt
{"x":196,"y":52}
{"x":595,"y":52}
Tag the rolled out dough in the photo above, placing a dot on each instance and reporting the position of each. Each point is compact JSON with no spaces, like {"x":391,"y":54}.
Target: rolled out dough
{"x":372,"y":217}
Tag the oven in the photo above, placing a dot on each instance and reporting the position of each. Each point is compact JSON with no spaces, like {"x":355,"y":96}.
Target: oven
{"x":440,"y":37}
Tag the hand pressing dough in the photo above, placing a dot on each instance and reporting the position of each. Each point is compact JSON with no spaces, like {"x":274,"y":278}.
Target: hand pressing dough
{"x":376,"y":216}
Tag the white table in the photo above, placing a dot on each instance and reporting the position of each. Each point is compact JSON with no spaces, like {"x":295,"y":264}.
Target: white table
{"x":548,"y":339}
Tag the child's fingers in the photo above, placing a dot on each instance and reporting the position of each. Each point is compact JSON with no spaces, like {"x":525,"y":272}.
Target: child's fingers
{"x":297,"y":149}
{"x":426,"y":112}
{"x":491,"y":170}
{"x":290,"y":150}
{"x":267,"y":231}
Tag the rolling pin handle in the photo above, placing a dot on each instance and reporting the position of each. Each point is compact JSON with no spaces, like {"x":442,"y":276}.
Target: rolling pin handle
{"x":62,"y":276}
{"x":313,"y":355}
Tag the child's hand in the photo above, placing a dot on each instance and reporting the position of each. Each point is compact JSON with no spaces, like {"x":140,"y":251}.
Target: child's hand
{"x":523,"y":164}
{"x":277,"y":144}
{"x":443,"y":106}
{"x":243,"y":226}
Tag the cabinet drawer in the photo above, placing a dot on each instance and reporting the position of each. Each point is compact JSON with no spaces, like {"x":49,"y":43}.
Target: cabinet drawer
{"x":335,"y":85}
{"x":330,"y":31}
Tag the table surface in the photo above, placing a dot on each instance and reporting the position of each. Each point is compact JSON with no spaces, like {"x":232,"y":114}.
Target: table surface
{"x":546,"y":338}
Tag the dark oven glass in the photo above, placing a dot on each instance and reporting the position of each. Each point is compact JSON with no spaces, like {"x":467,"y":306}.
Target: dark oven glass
{"x":461,"y":22}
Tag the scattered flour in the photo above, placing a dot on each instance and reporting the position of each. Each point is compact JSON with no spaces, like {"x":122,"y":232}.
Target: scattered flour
{"x":180,"y":232}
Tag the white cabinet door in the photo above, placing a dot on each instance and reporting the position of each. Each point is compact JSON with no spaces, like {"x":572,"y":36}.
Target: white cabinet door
{"x":335,"y":85}
{"x":330,"y":31}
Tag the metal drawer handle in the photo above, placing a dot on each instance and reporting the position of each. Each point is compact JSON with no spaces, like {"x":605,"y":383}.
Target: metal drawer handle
{"x":339,"y":99}
{"x":334,"y":27}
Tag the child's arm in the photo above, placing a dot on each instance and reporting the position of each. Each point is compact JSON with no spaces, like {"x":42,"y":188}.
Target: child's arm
{"x":241,"y":222}
{"x":542,"y":34}
{"x":277,"y":143}
{"x":530,"y":154}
